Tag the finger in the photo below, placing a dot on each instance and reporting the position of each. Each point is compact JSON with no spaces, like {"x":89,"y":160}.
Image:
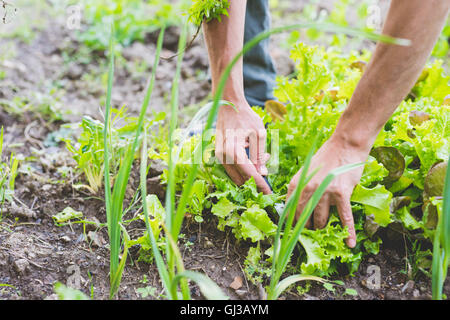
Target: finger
{"x":321,"y":213}
{"x":234,"y":139}
{"x":261,"y":160}
{"x":345,"y":214}
{"x":253,"y":147}
{"x":304,"y":197}
{"x":227,"y":156}
{"x":266,"y":157}
{"x":247,"y":170}
{"x":219,"y":147}
{"x":234,"y":174}
{"x":257,"y":144}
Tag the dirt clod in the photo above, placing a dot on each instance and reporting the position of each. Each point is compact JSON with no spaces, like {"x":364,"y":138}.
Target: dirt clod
{"x":21,"y":266}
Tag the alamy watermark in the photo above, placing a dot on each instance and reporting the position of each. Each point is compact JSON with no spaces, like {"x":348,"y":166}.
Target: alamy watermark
{"x":373,"y":280}
{"x":232,"y":147}
{"x":74,"y":16}
{"x":374,"y":17}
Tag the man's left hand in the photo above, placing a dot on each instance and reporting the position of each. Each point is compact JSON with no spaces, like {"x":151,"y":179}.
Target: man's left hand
{"x":333,"y":154}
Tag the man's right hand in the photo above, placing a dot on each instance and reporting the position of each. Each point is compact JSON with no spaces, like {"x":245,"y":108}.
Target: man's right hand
{"x":238,"y":128}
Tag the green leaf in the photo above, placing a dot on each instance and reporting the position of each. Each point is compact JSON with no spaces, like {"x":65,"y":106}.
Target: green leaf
{"x":208,"y":287}
{"x":67,"y":293}
{"x":286,"y":282}
{"x":351,"y":292}
{"x":329,"y":287}
{"x":256,"y":224}
{"x":67,"y":214}
{"x":373,"y":172}
{"x":324,"y":246}
{"x":407,"y":219}
{"x":223,"y":208}
{"x":376,"y":201}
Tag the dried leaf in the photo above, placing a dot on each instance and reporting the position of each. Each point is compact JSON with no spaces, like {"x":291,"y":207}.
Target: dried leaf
{"x":237,"y":283}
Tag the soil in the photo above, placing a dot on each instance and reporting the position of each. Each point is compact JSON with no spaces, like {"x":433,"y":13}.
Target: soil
{"x":35,"y":252}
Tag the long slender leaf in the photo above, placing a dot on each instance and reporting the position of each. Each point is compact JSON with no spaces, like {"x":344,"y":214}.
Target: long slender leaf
{"x":160,"y":264}
{"x":117,"y":275}
{"x":174,"y":218}
{"x":286,"y":282}
{"x":441,"y":244}
{"x":209,"y":288}
{"x":446,"y":216}
{"x":170,"y":190}
{"x":114,"y":201}
{"x":106,"y":133}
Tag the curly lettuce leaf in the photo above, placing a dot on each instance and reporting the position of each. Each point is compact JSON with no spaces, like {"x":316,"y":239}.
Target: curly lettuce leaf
{"x":323,"y":246}
{"x":376,"y":201}
{"x":256,"y":224}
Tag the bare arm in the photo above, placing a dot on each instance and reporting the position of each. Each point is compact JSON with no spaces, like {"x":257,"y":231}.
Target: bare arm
{"x":241,"y":128}
{"x":392,"y":70}
{"x":224,"y":40}
{"x":386,"y":81}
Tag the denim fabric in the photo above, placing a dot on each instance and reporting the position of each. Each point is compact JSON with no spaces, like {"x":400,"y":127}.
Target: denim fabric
{"x":259,"y":69}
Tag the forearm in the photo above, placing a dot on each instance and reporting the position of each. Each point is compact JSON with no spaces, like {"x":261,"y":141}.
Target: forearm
{"x":224,"y":40}
{"x":393,"y":69}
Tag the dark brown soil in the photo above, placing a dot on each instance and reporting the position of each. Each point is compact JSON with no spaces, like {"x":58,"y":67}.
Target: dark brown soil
{"x":35,"y":253}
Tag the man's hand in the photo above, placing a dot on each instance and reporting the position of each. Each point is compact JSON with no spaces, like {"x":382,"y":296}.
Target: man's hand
{"x":333,"y":154}
{"x":237,"y":129}
{"x":386,"y":81}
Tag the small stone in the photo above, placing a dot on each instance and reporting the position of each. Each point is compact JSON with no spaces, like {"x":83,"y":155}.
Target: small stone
{"x":241,"y":293}
{"x":97,"y":239}
{"x":21,"y":265}
{"x":416,"y":293}
{"x":66,"y":239}
{"x":408,"y":287}
{"x":93,"y":226}
{"x":208,"y":244}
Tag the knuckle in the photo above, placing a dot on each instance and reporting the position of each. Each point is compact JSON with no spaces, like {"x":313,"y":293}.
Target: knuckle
{"x":337,"y":192}
{"x":347,"y":219}
{"x":310,"y":187}
{"x":291,"y":187}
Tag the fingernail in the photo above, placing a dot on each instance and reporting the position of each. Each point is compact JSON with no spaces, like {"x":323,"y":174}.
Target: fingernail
{"x":351,"y":243}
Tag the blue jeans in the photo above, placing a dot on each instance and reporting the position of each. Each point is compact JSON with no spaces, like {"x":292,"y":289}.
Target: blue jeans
{"x":259,"y":70}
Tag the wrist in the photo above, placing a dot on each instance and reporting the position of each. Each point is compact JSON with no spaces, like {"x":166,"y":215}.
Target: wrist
{"x":355,"y":134}
{"x":235,"y":95}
